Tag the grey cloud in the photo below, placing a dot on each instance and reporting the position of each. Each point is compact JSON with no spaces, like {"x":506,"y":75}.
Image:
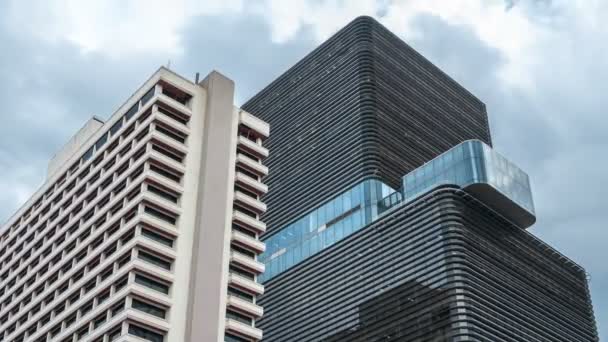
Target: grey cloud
{"x":51,"y":89}
{"x":556,"y":132}
{"x":240,"y":47}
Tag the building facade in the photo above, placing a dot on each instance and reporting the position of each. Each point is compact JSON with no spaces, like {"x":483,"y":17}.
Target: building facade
{"x":391,"y":217}
{"x":147,"y":227}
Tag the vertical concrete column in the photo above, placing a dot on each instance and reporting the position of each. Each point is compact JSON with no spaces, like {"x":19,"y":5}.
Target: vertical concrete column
{"x":211,"y":245}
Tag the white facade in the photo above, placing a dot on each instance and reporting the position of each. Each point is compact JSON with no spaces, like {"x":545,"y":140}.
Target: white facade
{"x":147,"y":226}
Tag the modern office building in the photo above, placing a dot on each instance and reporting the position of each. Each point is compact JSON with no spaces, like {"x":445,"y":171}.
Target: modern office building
{"x":147,"y":226}
{"x":390,"y":216}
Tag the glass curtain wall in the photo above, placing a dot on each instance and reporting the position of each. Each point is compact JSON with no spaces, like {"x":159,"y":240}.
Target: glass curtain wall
{"x":324,"y":226}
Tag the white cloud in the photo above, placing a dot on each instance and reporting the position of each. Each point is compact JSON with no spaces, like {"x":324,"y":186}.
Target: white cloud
{"x":509,"y":31}
{"x":323,"y":17}
{"x":549,"y":86}
{"x":119,"y":27}
{"x":114,"y":27}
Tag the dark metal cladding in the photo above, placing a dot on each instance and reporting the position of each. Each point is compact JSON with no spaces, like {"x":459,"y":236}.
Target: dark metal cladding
{"x":442,"y":268}
{"x":362,"y":105}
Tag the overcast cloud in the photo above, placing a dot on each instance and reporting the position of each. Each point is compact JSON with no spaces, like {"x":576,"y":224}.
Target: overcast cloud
{"x":540,"y":67}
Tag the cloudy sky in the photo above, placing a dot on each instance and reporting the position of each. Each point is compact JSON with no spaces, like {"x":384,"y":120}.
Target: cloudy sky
{"x":540,"y":66}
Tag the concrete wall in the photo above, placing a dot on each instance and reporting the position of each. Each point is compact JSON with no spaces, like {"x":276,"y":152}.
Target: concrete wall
{"x":211,"y":244}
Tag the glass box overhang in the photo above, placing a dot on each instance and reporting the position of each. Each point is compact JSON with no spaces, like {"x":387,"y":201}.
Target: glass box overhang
{"x":484,"y":173}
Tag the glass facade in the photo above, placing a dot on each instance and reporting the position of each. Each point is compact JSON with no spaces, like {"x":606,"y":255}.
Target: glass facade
{"x":323,"y":227}
{"x":469,"y":163}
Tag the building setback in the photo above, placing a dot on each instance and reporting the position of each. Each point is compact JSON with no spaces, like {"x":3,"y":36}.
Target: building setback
{"x":362,"y":105}
{"x":147,"y":225}
{"x":391,"y":218}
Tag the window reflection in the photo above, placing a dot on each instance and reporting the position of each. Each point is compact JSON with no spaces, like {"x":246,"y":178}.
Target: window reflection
{"x":468,"y":163}
{"x":465,"y":164}
{"x":323,"y":227}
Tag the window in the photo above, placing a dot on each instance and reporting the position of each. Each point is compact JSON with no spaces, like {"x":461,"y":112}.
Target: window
{"x":118,"y":308}
{"x":148,"y":308}
{"x":132,"y":111}
{"x":124,"y":259}
{"x":99,"y":320}
{"x":103,"y":297}
{"x":157,"y":237}
{"x":116,"y":127}
{"x":163,"y":193}
{"x":242,"y":273}
{"x":169,"y":152}
{"x":70,"y":320}
{"x":173,"y":134}
{"x":74,"y":297}
{"x":82,"y":332}
{"x":239,"y":317}
{"x":114,"y":334}
{"x":145,"y":256}
{"x":231,"y":338}
{"x":240,"y":294}
{"x":145,"y":334}
{"x":121,"y":283}
{"x":101,"y":141}
{"x":87,"y":155}
{"x":160,"y":215}
{"x":243,"y":251}
{"x":166,"y":173}
{"x":56,"y":330}
{"x":152,"y":284}
{"x":142,"y":134}
{"x":181,"y":118}
{"x":148,"y":96}
{"x":175,"y":93}
{"x":86,"y":308}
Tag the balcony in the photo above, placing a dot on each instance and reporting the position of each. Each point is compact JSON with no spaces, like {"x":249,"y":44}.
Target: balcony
{"x":246,"y":262}
{"x":246,"y":307}
{"x":260,"y":127}
{"x":245,"y":284}
{"x":248,"y":222}
{"x":249,"y":202}
{"x":243,"y":329}
{"x":252,"y":147}
{"x":251,"y":184}
{"x":251,"y":165}
{"x":248,"y":242}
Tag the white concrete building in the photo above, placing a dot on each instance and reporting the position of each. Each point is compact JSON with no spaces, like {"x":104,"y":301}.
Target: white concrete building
{"x":147,"y":226}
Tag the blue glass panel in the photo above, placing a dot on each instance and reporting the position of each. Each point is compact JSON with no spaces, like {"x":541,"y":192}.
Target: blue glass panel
{"x":147,"y":96}
{"x":132,"y":111}
{"x":87,"y":155}
{"x":468,"y":163}
{"x":322,"y":227}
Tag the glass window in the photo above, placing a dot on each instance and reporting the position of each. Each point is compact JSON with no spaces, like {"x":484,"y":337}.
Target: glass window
{"x":152,"y":284}
{"x":145,"y":334}
{"x":148,"y":308}
{"x":153,"y":259}
{"x":157,"y":237}
{"x":101,"y":141}
{"x":239,"y":317}
{"x":131,"y":112}
{"x":87,"y":155}
{"x":148,"y":96}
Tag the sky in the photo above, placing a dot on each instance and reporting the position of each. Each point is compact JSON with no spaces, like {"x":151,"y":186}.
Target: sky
{"x":540,"y":66}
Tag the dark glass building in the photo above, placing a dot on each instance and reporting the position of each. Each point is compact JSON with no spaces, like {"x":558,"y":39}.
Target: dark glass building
{"x":391,"y":218}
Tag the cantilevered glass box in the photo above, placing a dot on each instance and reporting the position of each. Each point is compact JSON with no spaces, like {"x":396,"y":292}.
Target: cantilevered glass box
{"x":481,"y":171}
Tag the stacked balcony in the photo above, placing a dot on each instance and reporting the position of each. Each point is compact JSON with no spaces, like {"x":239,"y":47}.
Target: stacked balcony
{"x":242,"y":310}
